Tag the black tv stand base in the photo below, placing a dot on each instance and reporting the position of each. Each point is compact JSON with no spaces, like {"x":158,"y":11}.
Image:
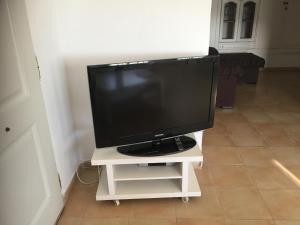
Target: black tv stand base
{"x":159,"y":147}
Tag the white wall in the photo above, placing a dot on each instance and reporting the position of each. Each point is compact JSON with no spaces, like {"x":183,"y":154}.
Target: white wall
{"x":277,"y":34}
{"x":54,"y":87}
{"x":107,"y":31}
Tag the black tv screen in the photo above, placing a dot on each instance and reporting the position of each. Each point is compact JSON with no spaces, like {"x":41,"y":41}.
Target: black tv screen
{"x":142,"y":101}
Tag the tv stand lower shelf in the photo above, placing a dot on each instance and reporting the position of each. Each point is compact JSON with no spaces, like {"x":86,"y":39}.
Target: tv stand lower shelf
{"x":127,"y":177}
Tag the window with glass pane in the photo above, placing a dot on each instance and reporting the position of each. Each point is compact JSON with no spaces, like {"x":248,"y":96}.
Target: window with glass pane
{"x":247,"y":20}
{"x":229,"y":20}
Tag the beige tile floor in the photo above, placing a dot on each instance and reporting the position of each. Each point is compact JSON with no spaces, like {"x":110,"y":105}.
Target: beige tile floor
{"x":251,"y":174}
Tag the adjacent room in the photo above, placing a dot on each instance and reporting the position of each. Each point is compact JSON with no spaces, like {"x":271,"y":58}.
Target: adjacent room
{"x":150,"y":112}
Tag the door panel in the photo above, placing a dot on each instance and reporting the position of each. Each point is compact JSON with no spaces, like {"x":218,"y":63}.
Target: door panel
{"x":16,"y":120}
{"x":11,"y":84}
{"x":22,"y":181}
{"x":29,"y":187}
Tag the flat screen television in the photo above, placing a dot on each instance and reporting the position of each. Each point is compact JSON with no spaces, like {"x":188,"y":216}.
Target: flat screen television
{"x":145,"y":104}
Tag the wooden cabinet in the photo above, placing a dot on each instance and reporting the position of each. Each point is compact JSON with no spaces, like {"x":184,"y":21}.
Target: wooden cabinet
{"x":238,"y":20}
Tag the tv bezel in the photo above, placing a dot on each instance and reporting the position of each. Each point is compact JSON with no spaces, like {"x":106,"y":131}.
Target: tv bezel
{"x":154,"y":135}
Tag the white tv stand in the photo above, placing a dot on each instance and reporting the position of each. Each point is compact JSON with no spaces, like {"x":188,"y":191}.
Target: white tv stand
{"x":123,"y":178}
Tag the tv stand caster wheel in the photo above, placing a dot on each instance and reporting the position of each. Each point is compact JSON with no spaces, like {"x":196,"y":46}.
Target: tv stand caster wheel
{"x":201,"y":165}
{"x":117,"y":202}
{"x":185,"y":199}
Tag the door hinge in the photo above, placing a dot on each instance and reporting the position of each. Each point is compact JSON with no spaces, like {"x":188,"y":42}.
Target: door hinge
{"x":59,"y":180}
{"x":38,"y":67}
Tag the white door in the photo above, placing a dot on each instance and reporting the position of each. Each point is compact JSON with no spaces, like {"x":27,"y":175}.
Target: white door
{"x":291,"y":31}
{"x":29,"y":186}
{"x":276,"y":24}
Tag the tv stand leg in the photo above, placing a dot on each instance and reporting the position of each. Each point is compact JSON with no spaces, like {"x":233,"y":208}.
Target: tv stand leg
{"x":117,"y":202}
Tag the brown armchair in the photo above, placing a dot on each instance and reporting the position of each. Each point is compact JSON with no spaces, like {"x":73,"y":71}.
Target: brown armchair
{"x":235,"y":67}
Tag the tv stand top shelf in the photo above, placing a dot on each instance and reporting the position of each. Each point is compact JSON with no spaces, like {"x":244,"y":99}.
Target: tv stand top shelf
{"x":110,"y":155}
